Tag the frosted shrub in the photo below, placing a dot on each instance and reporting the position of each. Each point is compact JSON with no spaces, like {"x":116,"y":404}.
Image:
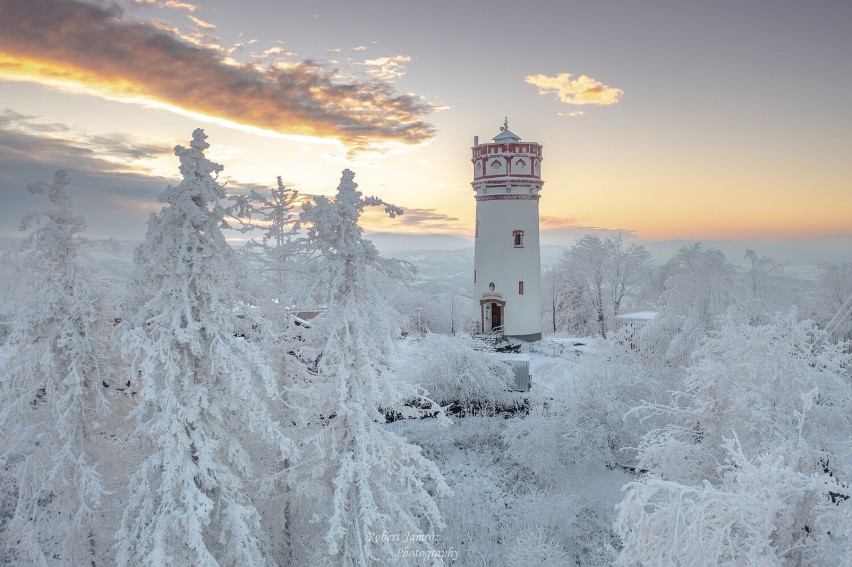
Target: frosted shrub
{"x":534,"y":547}
{"x":752,"y":470}
{"x":586,"y":423}
{"x":761,"y":513}
{"x":758,"y":381}
{"x":456,"y":369}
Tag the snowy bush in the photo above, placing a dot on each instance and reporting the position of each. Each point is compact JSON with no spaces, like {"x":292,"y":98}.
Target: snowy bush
{"x":753,"y":468}
{"x":585,"y":423}
{"x":535,"y":547}
{"x":763,"y":512}
{"x":457,"y":369}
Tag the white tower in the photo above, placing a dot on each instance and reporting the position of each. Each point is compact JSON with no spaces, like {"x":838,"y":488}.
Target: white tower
{"x":507,"y":261}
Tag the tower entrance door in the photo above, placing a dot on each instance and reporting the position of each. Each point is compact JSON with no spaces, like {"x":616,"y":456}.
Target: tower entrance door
{"x":496,"y":315}
{"x":493,"y":314}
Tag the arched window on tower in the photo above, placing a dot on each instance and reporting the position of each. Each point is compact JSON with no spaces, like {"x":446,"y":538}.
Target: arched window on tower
{"x":518,"y":236}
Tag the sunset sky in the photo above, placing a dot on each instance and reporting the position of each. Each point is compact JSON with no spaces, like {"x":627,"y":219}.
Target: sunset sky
{"x":671,"y":120}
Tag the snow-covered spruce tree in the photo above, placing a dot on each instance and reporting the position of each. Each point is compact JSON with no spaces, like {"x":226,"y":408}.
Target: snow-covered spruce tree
{"x":204,"y":391}
{"x":379,"y":482}
{"x":51,"y":395}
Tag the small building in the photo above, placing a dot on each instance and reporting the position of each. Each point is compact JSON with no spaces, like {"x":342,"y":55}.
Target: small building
{"x":520,"y":363}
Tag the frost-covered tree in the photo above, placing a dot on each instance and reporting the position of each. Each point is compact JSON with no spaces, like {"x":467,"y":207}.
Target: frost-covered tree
{"x":205,"y":394}
{"x":274,"y":216}
{"x":568,"y":311}
{"x":604,"y":272}
{"x":51,"y":394}
{"x":12,"y":290}
{"x":830,"y":300}
{"x":379,"y":482}
{"x":699,"y":285}
{"x":753,"y":380}
{"x":753,"y":468}
{"x":587,"y":262}
{"x":628,"y":267}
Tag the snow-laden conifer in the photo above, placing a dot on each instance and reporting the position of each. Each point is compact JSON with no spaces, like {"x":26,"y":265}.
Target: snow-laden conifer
{"x":380,"y":483}
{"x":203,"y":390}
{"x":51,"y":393}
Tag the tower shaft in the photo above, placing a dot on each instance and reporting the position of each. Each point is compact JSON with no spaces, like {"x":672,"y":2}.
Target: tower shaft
{"x":507,"y":261}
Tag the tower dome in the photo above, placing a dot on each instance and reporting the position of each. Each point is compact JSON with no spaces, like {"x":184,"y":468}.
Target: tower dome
{"x":507,"y":260}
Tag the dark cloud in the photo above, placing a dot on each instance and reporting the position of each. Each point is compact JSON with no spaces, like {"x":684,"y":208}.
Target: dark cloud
{"x":121,"y":145}
{"x":95,"y":46}
{"x":46,"y":135}
{"x":12,"y":119}
{"x":114,"y":203}
{"x":428,"y":218}
{"x":413,"y":221}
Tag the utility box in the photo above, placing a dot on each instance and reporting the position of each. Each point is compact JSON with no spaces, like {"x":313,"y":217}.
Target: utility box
{"x":520,"y":363}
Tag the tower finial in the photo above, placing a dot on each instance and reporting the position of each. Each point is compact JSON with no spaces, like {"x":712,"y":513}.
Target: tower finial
{"x":505,"y":125}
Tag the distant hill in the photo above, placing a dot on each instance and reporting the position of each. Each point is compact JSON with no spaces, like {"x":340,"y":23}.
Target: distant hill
{"x":391,"y":243}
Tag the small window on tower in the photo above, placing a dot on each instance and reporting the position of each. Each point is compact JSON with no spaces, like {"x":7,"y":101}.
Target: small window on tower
{"x":476,"y":230}
{"x":518,"y":235}
{"x":520,"y":288}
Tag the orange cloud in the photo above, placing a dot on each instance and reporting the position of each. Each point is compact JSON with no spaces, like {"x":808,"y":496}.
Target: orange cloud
{"x":416,"y":221}
{"x":178,"y":5}
{"x":582,"y":90}
{"x":387,"y":68}
{"x":62,"y":41}
{"x":201,"y":23}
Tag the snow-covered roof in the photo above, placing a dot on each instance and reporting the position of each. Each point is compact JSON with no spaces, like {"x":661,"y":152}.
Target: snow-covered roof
{"x":513,"y":357}
{"x":639,"y":315}
{"x":506,"y":134}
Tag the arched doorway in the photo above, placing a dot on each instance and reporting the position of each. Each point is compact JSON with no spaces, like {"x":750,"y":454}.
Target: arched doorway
{"x":493,"y":312}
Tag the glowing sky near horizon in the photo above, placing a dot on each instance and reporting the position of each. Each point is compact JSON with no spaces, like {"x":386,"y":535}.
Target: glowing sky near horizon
{"x":671,"y":120}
